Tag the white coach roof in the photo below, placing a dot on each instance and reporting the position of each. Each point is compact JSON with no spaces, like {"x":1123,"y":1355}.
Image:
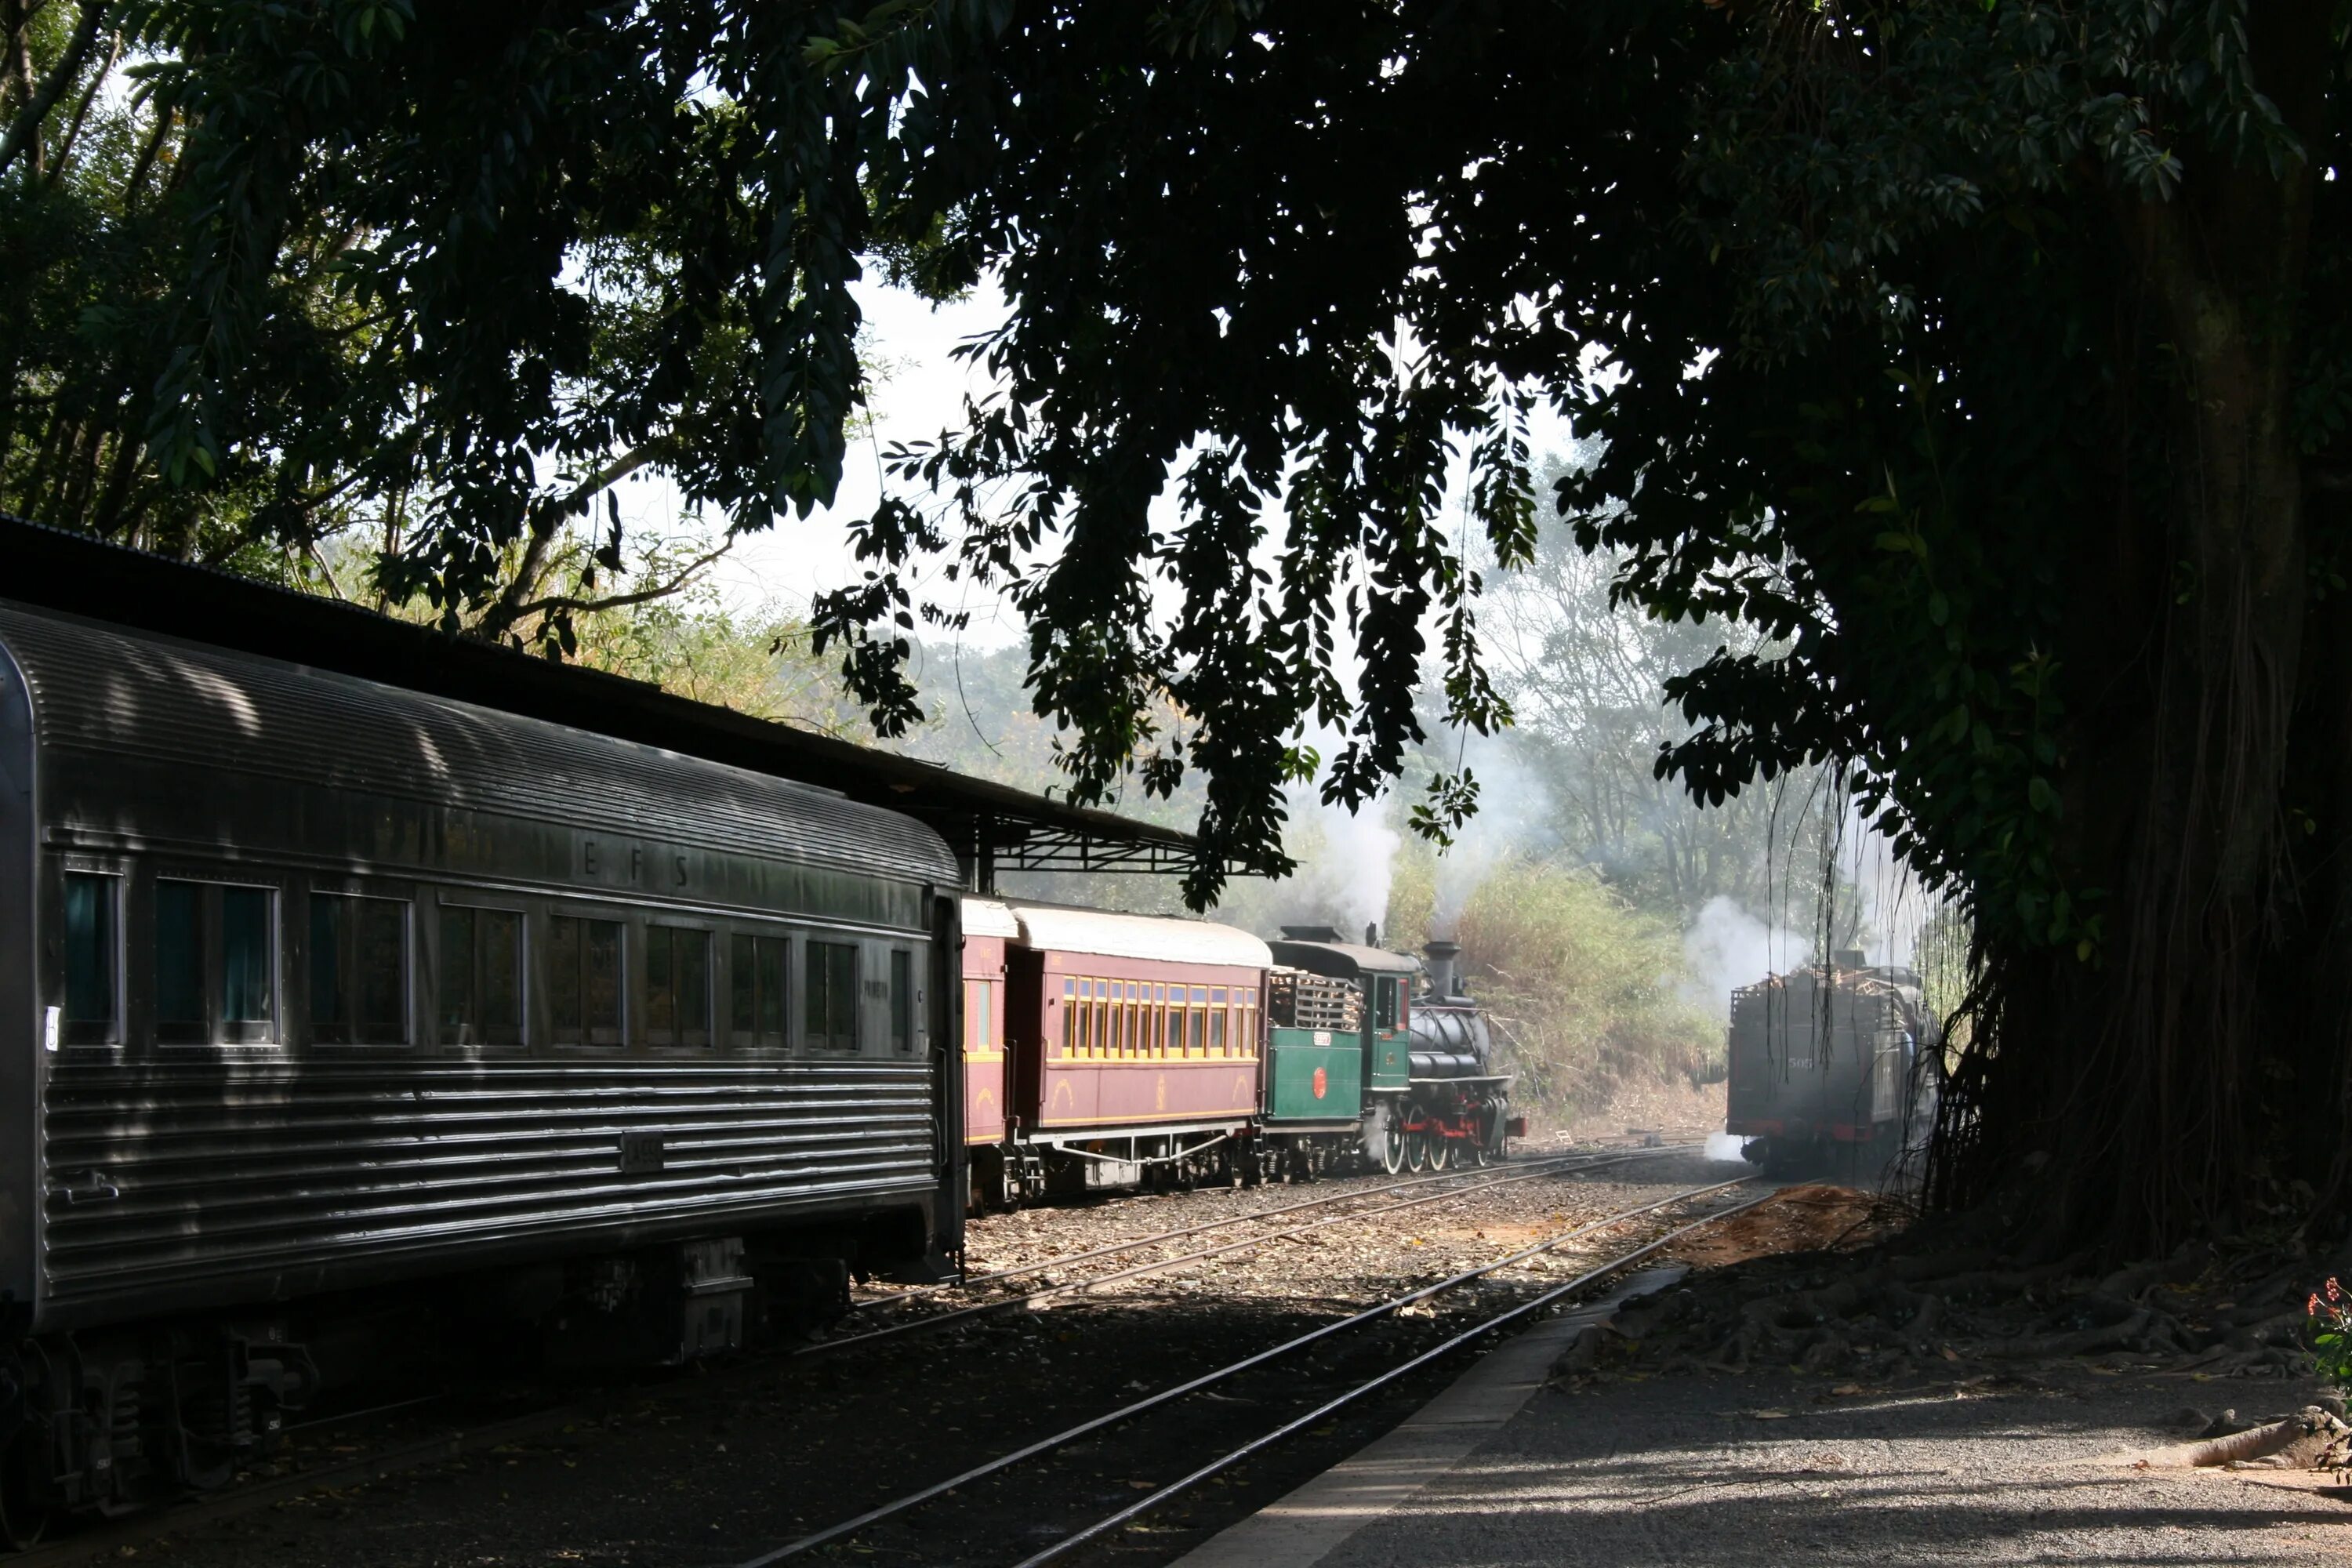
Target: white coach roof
{"x":1063,"y":930}
{"x":986,"y":916}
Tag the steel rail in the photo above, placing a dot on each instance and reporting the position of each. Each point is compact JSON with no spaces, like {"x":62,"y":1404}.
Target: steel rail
{"x":849,"y":1527}
{"x":1006,"y":1304}
{"x":1298,"y":1424}
{"x":1485,"y":1174}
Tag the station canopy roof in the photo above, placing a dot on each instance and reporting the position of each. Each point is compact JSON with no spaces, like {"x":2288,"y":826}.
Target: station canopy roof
{"x":991,"y":826}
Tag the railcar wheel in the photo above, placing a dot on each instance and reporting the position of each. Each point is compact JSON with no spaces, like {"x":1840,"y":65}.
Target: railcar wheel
{"x":1392,"y":1149}
{"x":24,"y":1517}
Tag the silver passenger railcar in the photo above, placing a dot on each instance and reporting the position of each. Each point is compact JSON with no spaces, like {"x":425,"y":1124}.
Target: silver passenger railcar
{"x":312,"y":989}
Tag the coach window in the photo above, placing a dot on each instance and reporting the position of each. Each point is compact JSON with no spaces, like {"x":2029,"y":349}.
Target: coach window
{"x":678,"y":986}
{"x":1217,"y":1021}
{"x":830,"y":1016}
{"x":902,"y":1001}
{"x":93,"y":989}
{"x":583,"y":980}
{"x":755,"y":983}
{"x":216,"y":964}
{"x":359,"y":970}
{"x":481,"y":976}
{"x":1196,"y":1026}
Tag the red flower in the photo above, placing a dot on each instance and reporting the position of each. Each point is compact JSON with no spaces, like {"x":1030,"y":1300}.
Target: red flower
{"x":2311,"y":1308}
{"x":2335,"y":1291}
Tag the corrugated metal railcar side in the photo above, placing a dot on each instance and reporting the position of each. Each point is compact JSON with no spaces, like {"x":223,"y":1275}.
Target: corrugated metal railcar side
{"x":271,"y":1159}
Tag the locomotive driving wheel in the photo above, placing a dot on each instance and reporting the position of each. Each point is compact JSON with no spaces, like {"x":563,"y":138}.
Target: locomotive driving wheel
{"x":1391,"y":1135}
{"x":1486,"y":1144}
{"x":1416,"y":1142}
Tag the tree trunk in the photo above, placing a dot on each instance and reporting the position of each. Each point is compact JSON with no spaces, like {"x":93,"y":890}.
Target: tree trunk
{"x":2134,"y":1083}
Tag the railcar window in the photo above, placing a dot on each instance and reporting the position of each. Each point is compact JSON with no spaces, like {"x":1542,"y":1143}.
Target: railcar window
{"x":678,"y":986}
{"x":181,"y":1016}
{"x":1217,"y":1021}
{"x":1384,"y":1003}
{"x":216,"y":964}
{"x":755,"y":985}
{"x":979,"y":1014}
{"x":584,"y":980}
{"x":831,"y":990}
{"x":481,"y":976}
{"x":359,"y":970}
{"x":93,"y":919}
{"x":902,"y":1001}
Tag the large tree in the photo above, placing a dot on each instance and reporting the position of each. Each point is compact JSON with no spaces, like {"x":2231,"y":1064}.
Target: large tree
{"x":1985,"y":357}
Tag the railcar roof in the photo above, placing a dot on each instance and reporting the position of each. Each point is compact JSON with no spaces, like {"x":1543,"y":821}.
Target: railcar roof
{"x":1058,"y":928}
{"x":989,"y":917}
{"x":105,"y":689}
{"x":1344,"y":958}
{"x":990,"y":827}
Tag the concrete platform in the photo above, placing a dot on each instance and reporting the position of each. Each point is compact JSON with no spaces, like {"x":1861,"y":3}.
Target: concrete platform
{"x":1308,"y":1525}
{"x":1992,"y":1468}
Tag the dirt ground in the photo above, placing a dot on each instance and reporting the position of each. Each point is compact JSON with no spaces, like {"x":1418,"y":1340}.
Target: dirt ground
{"x":1673,"y":1110}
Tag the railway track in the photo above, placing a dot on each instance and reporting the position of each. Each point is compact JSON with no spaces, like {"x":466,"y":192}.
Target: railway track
{"x":1505,"y":1178}
{"x":503,"y":1434}
{"x":849,"y":1528}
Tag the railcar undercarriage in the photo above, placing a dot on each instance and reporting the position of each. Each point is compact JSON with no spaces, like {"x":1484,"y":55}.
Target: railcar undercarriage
{"x":104,"y":1421}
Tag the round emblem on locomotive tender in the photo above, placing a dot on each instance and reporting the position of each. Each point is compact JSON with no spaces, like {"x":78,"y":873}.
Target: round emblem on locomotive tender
{"x":1322,"y":1082}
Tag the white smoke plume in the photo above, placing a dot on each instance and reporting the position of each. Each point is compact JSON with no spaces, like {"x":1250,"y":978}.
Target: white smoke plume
{"x":1726,"y":948}
{"x":1514,"y":819}
{"x":1357,"y":866}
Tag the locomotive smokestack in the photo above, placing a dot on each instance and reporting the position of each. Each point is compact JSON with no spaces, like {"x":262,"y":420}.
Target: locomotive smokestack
{"x":1443,"y":957}
{"x":1372,"y":934}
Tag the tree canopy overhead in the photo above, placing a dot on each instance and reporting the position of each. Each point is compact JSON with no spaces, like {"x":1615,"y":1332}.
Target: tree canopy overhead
{"x":1986,"y":358}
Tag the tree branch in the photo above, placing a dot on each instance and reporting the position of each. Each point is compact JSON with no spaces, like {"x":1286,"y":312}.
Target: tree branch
{"x":548,"y":522}
{"x":81,"y":110}
{"x":28,"y":120}
{"x":577,"y":606}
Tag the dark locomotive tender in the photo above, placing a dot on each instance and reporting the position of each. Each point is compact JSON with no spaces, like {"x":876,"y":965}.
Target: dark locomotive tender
{"x":1835,"y":1064}
{"x":320,"y":988}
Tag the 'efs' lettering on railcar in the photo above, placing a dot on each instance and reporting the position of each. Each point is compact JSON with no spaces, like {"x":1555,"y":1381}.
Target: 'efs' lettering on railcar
{"x":633,"y":865}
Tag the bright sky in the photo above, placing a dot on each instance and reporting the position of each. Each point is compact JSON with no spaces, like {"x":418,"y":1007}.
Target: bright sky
{"x":921,"y":393}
